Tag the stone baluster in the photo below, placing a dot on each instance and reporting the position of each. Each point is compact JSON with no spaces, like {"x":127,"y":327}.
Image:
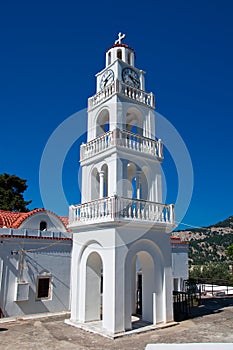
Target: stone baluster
{"x":160,"y":148}
{"x":83,"y":213}
{"x":146,"y":211}
{"x":107,"y":208}
{"x":86,"y":212}
{"x":137,"y":143}
{"x":172,"y":214}
{"x":116,"y":207}
{"x":78,"y":213}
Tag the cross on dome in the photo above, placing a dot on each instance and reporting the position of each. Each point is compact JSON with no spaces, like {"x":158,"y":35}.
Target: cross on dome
{"x":120,"y":37}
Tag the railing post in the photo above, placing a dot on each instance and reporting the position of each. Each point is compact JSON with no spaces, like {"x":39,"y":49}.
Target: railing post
{"x":171,"y":213}
{"x":160,"y":148}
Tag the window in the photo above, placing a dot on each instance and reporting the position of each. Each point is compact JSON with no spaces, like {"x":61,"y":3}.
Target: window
{"x":119,"y":54}
{"x":129,"y":58}
{"x":43,"y":226}
{"x":109,"y":58}
{"x":43,"y":287}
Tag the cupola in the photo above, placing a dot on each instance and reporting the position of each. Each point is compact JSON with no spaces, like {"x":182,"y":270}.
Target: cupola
{"x":120,"y":51}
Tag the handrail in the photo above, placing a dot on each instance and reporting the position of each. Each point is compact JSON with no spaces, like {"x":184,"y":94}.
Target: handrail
{"x":125,"y":90}
{"x":124,"y":139}
{"x":121,"y":208}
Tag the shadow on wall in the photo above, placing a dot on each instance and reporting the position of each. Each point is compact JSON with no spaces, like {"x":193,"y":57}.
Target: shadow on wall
{"x":32,"y":306}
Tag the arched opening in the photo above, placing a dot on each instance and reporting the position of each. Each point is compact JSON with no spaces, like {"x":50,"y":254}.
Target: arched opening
{"x":131,"y":180}
{"x":119,"y":54}
{"x":137,"y":183}
{"x":43,"y":226}
{"x":128,"y":58}
{"x":144,"y":285}
{"x":134,"y":121}
{"x":95,"y":184}
{"x":104,"y":169}
{"x":102,"y":124}
{"x":93,"y":304}
{"x":109,"y":58}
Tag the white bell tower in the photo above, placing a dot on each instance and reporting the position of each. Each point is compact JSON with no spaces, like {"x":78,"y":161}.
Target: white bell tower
{"x":121,"y":260}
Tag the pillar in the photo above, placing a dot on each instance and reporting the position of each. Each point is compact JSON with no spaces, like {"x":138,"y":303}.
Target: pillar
{"x":101,"y":175}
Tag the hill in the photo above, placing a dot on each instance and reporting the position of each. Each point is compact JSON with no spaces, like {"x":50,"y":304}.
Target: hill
{"x":208,"y":244}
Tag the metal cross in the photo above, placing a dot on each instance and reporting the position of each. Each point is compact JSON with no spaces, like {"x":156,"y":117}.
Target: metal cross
{"x":120,"y":37}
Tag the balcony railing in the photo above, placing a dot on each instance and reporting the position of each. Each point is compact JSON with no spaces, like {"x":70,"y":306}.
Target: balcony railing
{"x":121,"y":209}
{"x":124,"y":139}
{"x":125,"y":90}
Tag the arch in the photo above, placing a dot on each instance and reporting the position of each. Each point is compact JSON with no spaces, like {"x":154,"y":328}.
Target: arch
{"x":94,"y":267}
{"x":119,"y":54}
{"x":137,"y":181}
{"x":102,"y":122}
{"x":90,"y":268}
{"x":95,"y":184}
{"x":134,"y":121}
{"x":129,"y":57}
{"x":104,"y":169}
{"x":131,"y":180}
{"x":144,"y":256}
{"x":109,"y":58}
{"x":43,"y":225}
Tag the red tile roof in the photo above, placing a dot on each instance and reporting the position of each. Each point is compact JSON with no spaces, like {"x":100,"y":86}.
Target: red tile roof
{"x":177,"y":240}
{"x":11,"y":219}
{"x":121,"y":45}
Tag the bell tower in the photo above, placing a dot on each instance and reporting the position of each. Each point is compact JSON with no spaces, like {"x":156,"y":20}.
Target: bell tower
{"x":121,"y":228}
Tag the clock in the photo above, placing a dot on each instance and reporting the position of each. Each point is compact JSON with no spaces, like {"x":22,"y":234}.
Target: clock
{"x":106,"y":79}
{"x":130,"y":77}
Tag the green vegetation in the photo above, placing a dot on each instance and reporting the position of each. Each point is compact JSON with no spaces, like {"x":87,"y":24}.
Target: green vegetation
{"x":229,"y":251}
{"x":12,"y":188}
{"x":211,"y":251}
{"x":211,"y":271}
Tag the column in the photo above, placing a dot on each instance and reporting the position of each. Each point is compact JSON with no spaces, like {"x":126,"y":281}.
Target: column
{"x":101,"y":175}
{"x":138,"y":184}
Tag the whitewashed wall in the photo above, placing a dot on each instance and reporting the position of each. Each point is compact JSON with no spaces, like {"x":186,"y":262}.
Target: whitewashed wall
{"x":53,"y":259}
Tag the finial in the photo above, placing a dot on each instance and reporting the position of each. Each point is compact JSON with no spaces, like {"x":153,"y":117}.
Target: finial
{"x":120,"y":37}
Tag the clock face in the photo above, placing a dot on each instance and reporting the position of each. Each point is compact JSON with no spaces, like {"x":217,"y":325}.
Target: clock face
{"x":130,"y":77}
{"x":107,"y":78}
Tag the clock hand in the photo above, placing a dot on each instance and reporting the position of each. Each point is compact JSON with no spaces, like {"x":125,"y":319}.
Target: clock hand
{"x":135,"y":81}
{"x":106,"y":79}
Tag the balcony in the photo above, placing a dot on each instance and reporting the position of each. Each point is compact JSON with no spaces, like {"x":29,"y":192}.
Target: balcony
{"x":124,"y":90}
{"x":124,"y":139}
{"x":116,"y":208}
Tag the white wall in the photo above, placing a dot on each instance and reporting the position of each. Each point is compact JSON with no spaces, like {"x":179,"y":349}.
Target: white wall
{"x":53,"y":222}
{"x":54,"y":260}
{"x":180,"y":264}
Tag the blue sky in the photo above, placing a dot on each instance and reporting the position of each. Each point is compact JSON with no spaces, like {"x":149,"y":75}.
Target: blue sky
{"x":51,"y":51}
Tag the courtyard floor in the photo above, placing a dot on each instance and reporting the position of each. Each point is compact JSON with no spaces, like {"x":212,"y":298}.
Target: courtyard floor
{"x":211,"y":322}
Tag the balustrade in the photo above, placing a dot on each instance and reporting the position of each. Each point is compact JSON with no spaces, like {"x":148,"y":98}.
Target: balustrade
{"x":121,"y":208}
{"x":124,"y":139}
{"x":123,"y":89}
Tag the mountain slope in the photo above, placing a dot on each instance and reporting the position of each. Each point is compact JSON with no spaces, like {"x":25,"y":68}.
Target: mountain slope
{"x":208,"y":244}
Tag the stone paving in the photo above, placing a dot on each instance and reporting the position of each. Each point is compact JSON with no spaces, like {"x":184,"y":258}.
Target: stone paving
{"x":211,"y":322}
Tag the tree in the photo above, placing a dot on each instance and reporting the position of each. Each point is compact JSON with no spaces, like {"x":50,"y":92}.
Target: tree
{"x":214,"y":271}
{"x":12,"y":188}
{"x":229,"y":252}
